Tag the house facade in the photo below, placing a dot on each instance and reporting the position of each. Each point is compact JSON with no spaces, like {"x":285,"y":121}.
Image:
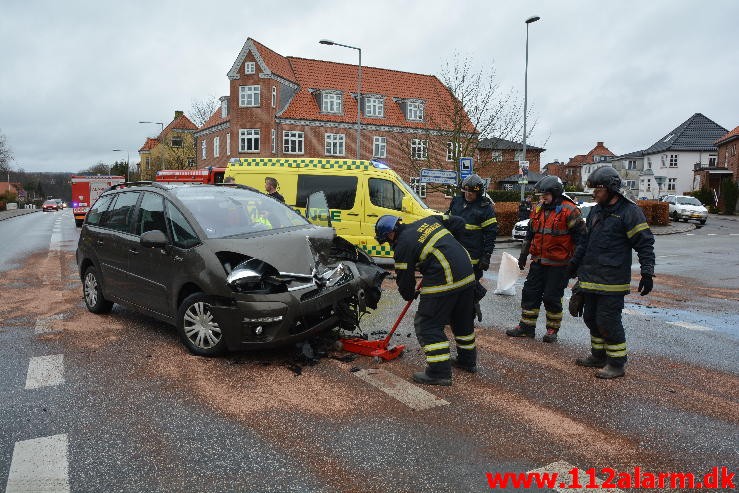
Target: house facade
{"x":726,"y":152}
{"x":598,"y":156}
{"x":498,"y":159}
{"x":173,"y":148}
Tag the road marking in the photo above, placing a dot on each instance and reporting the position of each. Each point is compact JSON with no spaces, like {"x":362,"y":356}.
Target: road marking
{"x":400,"y":389}
{"x":690,"y":234}
{"x":45,"y":371}
{"x":711,"y":234}
{"x":733,"y":234}
{"x":629,"y":312}
{"x":564,"y":477}
{"x":43,"y":324}
{"x":690,"y":326}
{"x":39,"y":465}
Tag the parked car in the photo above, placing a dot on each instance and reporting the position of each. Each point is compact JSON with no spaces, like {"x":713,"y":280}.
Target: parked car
{"x":521,"y":228}
{"x":685,"y":208}
{"x":50,"y":205}
{"x":230,"y":267}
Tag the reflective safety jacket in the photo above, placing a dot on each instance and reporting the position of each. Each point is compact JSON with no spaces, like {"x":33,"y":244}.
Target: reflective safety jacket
{"x":604,"y":254}
{"x":554,"y":232}
{"x":429,"y":247}
{"x":481,"y":226}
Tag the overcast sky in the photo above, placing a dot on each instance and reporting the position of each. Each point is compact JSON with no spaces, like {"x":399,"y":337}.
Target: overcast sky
{"x":76,"y":77}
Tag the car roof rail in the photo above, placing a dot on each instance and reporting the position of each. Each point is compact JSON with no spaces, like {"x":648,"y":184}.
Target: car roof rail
{"x":237,"y":185}
{"x":137,"y":184}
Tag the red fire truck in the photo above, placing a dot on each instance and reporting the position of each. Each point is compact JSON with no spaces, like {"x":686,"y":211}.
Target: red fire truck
{"x":209,"y":175}
{"x":86,"y":190}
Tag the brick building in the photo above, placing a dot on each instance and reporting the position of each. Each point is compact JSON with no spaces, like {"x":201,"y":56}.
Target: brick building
{"x":294,"y":107}
{"x":498,"y":159}
{"x":725,"y":166}
{"x":727,"y":156}
{"x":173,"y":148}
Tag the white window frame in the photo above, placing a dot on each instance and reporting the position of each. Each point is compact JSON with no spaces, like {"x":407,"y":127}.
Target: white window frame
{"x":247,"y":135}
{"x":250,"y":68}
{"x":497,"y":156}
{"x":417,"y":186}
{"x":379,"y":147}
{"x":274,"y":140}
{"x":228,"y":143}
{"x":414,"y":111}
{"x":224,"y":108}
{"x":335,"y":144}
{"x":712,"y":159}
{"x":332,"y":102}
{"x":204,"y":149}
{"x":216,"y":144}
{"x":249,"y":96}
{"x":374,"y":107}
{"x":274,"y":96}
{"x":671,"y":184}
{"x":673,"y":161}
{"x":631,"y":164}
{"x":419,"y":149}
{"x":450,"y":150}
{"x":631,"y":184}
{"x":290,"y":137}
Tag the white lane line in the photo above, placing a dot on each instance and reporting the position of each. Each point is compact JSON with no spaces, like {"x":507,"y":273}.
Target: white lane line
{"x":711,"y":234}
{"x":45,"y":371}
{"x":733,"y":234}
{"x":690,"y":326}
{"x":400,"y":389}
{"x":39,"y":465}
{"x":43,"y":324}
{"x":565,"y":478}
{"x":690,"y":234}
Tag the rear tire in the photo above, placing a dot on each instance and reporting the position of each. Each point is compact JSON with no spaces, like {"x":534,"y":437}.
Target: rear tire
{"x":94,"y":299}
{"x":198,"y":328}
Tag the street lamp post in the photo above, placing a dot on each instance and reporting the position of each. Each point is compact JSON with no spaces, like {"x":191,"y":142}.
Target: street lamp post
{"x":525,"y":95}
{"x":157,"y":123}
{"x":359,"y":87}
{"x":128,"y":174}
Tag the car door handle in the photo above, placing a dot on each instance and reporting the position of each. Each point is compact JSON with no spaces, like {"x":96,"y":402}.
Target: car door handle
{"x":371,"y":215}
{"x":133,"y":250}
{"x":99,"y":242}
{"x":352,"y":213}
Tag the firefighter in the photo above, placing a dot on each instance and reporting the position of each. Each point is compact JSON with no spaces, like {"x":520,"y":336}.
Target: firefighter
{"x":446,"y":290}
{"x":555,"y":227}
{"x":481,"y":228}
{"x":602,"y":263}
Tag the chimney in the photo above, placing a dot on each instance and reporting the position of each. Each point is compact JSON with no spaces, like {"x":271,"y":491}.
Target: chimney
{"x":179,"y":113}
{"x":599,"y":143}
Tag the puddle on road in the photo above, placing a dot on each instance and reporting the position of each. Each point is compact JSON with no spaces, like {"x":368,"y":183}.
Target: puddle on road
{"x":726,"y":323}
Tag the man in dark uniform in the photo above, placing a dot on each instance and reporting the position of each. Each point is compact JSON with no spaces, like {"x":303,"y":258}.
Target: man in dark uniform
{"x":446,"y":291}
{"x":602,"y":263}
{"x":271,"y":185}
{"x":555,"y":228}
{"x":481,"y":228}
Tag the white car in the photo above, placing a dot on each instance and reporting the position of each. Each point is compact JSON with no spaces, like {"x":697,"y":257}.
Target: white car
{"x":521,"y":228}
{"x":685,"y":208}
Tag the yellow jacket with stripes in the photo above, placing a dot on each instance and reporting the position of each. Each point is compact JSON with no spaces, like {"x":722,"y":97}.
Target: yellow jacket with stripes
{"x":429,"y":247}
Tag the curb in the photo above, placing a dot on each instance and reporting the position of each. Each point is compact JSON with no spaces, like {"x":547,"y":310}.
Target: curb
{"x":15,"y":213}
{"x":673,"y":229}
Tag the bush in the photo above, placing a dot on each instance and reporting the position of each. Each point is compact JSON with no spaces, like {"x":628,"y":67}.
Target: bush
{"x":507,"y":215}
{"x":657,"y":213}
{"x":729,"y":194}
{"x":505,"y":195}
{"x":704,"y":195}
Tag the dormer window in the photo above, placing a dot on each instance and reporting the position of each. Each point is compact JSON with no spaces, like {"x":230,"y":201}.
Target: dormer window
{"x":224,"y":108}
{"x":331,"y":102}
{"x":414,"y":111}
{"x":250,"y":67}
{"x":176,"y":142}
{"x":374,"y":107}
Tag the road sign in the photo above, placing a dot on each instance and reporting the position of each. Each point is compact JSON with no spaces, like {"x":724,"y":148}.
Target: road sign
{"x":523,"y":181}
{"x":445,"y":176}
{"x":523,"y":168}
{"x":465,"y":167}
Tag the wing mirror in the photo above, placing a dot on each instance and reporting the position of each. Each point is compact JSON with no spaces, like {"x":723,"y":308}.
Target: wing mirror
{"x":154,"y":239}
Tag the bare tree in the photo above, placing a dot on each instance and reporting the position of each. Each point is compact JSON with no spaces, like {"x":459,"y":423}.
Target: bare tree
{"x":6,"y":155}
{"x":202,"y":109}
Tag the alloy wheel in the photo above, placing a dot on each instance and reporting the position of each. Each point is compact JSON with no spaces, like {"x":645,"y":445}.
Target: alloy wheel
{"x":200,"y":326}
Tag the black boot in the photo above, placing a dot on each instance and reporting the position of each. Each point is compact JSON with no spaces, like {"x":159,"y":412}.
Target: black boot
{"x":611,"y":371}
{"x":550,"y":336}
{"x":422,"y":377}
{"x":591,"y":362}
{"x":465,"y":367}
{"x":519,"y":331}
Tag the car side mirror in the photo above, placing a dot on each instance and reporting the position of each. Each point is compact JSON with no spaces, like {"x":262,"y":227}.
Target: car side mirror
{"x":406,"y":204}
{"x":154,"y":239}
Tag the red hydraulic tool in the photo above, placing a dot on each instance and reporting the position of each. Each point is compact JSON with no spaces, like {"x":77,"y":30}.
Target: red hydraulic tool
{"x":378,"y":349}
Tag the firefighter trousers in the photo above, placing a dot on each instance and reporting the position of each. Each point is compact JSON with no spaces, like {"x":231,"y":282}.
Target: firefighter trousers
{"x":433,"y":314}
{"x":602,"y":315}
{"x":544,"y":283}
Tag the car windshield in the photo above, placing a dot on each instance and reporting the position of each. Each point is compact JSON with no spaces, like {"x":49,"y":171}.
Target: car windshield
{"x":50,"y":202}
{"x":230,"y":211}
{"x":413,"y":194}
{"x":688,"y":201}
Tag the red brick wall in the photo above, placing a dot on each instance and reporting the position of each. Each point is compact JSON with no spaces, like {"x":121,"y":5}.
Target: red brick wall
{"x":729,"y":161}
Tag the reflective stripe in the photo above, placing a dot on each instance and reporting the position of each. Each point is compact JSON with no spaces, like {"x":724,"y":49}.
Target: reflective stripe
{"x":616,"y":347}
{"x":616,"y":354}
{"x":475,"y":262}
{"x":472,"y":226}
{"x":597,"y":339}
{"x":438,"y":358}
{"x":553,"y":232}
{"x":636,"y":229}
{"x":596,"y":346}
{"x":490,"y":221}
{"x":554,"y":316}
{"x":436,"y":346}
{"x":430,"y":245}
{"x":470,"y":337}
{"x":466,"y":346}
{"x":448,"y":277}
{"x":554,"y":324}
{"x":605,"y":287}
{"x":401,"y":265}
{"x":448,"y":287}
{"x":528,"y":321}
{"x":534,"y":312}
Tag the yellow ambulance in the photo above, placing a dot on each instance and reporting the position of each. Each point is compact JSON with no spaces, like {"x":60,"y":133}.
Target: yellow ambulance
{"x":358,"y":193}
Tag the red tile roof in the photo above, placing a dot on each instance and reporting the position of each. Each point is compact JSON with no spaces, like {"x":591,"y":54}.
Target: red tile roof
{"x":180,"y":123}
{"x":215,"y":119}
{"x":150,"y":144}
{"x":729,"y":136}
{"x":598,"y":150}
{"x":277,"y":64}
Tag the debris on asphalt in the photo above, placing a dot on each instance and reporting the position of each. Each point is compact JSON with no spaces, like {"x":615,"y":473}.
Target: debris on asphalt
{"x":347,"y":358}
{"x":354,"y":369}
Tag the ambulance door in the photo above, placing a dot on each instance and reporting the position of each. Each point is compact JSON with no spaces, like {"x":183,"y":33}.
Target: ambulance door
{"x":342,"y":197}
{"x":382,"y":197}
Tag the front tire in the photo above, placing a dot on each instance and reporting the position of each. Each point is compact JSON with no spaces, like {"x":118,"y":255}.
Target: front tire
{"x":198,"y":327}
{"x":93,"y":294}
{"x":703,"y":221}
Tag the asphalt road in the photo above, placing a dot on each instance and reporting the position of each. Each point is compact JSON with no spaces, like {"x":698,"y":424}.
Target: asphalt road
{"x":115,"y":403}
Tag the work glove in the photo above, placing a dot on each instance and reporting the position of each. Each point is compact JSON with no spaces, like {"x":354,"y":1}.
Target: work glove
{"x":484,"y":263}
{"x":577,"y":303}
{"x":572,"y":270}
{"x":416,"y":294}
{"x":646,"y":284}
{"x":522,"y":261}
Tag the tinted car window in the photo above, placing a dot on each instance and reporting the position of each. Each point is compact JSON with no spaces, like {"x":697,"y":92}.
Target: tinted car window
{"x":98,"y":210}
{"x":151,"y":214}
{"x":341,"y":191}
{"x":120,"y":216}
{"x":183,"y":235}
{"x":226,"y":211}
{"x":384,"y":193}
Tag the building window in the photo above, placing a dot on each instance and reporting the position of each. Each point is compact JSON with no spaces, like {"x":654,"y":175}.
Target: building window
{"x":631,"y":184}
{"x":631,"y":164}
{"x":204,"y":149}
{"x":673,"y":160}
{"x":176,"y":142}
{"x":228,"y":143}
{"x":292,"y":142}
{"x":649,"y":163}
{"x":379,"y":147}
{"x":414,"y":111}
{"x":250,"y":67}
{"x":671,"y":184}
{"x":712,"y":159}
{"x":508,"y":187}
{"x":248,"y":96}
{"x":216,"y":144}
{"x":418,"y":187}
{"x":453,"y":150}
{"x":249,"y":140}
{"x":374,"y":107}
{"x":497,"y":156}
{"x":274,"y":97}
{"x":334,"y":144}
{"x":419,"y":149}
{"x":331,"y":102}
{"x":274,"y":141}
{"x":224,"y":108}
{"x":148,"y":162}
